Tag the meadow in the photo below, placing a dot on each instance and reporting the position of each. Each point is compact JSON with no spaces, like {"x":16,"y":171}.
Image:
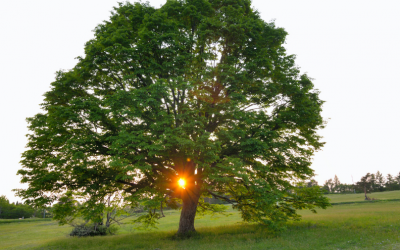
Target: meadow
{"x":342,"y":198}
{"x":366,"y":225}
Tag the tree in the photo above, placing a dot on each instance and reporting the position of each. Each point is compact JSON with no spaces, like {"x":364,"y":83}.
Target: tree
{"x":380,"y":181}
{"x":374,"y":185}
{"x":336,"y":184}
{"x":365,"y":184}
{"x":329,"y":185}
{"x":4,"y":203}
{"x":397,"y":179}
{"x":14,"y":211}
{"x":94,"y":219}
{"x":312,"y":183}
{"x":390,"y":182}
{"x":199,"y":90}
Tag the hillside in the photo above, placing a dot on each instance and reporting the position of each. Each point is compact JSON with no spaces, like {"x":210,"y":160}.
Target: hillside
{"x":337,"y":198}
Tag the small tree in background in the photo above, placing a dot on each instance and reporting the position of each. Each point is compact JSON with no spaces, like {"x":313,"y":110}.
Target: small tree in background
{"x":365,"y":184}
{"x":397,"y":179}
{"x":336,"y":184}
{"x":4,"y":203}
{"x":379,"y":181}
{"x":374,"y":186}
{"x":390,"y":183}
{"x":312,"y":183}
{"x":329,"y":185}
{"x":14,"y":211}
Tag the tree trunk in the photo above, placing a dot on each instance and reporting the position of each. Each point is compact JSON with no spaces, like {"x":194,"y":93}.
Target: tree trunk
{"x":365,"y":193}
{"x":108,"y":220}
{"x":190,"y":200}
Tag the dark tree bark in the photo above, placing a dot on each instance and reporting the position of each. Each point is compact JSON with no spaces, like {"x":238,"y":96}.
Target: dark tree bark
{"x":190,"y":199}
{"x":365,"y":193}
{"x":108,"y":221}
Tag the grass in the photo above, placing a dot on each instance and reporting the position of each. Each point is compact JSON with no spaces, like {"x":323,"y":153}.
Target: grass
{"x":350,"y":226}
{"x":22,"y":235}
{"x":336,"y":198}
{"x":7,"y":221}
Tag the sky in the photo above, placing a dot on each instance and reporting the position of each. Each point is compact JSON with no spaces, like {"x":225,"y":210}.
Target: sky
{"x":350,"y":48}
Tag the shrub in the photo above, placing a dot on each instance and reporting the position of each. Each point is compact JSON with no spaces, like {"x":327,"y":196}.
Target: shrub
{"x":92,"y":230}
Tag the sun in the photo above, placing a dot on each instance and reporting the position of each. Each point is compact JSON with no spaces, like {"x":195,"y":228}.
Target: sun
{"x":182,"y":183}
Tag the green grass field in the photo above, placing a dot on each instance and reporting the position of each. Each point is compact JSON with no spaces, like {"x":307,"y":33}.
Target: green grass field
{"x":349,"y":226}
{"x":335,"y":198}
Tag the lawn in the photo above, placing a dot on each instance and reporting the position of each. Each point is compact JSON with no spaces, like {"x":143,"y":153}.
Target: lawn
{"x":336,"y":198}
{"x":349,"y":226}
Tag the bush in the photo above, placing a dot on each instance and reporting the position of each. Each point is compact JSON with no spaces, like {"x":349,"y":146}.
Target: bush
{"x":92,"y":230}
{"x":113,"y":229}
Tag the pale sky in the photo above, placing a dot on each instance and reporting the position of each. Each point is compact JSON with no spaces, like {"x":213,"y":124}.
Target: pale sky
{"x":351,"y":49}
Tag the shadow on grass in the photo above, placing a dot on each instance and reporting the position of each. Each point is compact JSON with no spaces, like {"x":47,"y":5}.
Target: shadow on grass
{"x":204,"y":238}
{"x":232,"y":230}
{"x":299,"y":235}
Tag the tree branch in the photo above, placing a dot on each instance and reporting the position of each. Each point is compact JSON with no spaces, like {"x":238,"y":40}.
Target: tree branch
{"x":221,"y":197}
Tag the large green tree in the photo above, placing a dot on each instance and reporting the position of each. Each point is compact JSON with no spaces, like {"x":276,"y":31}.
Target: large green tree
{"x":201,"y":90}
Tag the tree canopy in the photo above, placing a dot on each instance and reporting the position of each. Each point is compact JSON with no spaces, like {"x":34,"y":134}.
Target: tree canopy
{"x":366,"y":183}
{"x":14,"y":211}
{"x":201,"y":90}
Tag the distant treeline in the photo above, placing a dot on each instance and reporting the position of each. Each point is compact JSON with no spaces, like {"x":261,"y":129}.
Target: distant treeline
{"x":368,"y":183}
{"x":18,"y":210}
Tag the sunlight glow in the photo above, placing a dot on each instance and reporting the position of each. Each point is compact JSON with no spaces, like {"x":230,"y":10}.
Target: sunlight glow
{"x":182,"y":183}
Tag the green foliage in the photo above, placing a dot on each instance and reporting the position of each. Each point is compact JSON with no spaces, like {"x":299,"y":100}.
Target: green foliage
{"x":214,"y":210}
{"x":66,"y":210}
{"x":92,"y":230}
{"x":147,"y":221}
{"x":86,"y":231}
{"x":275,"y":214}
{"x":197,"y":89}
{"x":369,"y":182}
{"x":109,"y":211}
{"x":334,"y":186}
{"x":14,"y":211}
{"x":366,"y":184}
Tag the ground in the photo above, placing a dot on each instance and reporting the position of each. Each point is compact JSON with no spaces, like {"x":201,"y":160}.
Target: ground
{"x":366,"y":225}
